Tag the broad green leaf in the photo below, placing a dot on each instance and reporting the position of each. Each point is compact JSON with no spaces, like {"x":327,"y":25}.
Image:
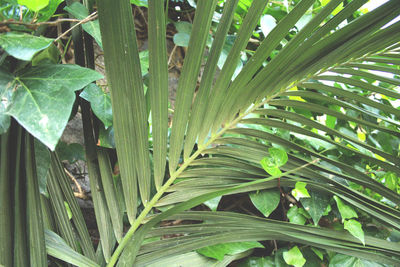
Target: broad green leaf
{"x":267,"y":23}
{"x":5,"y":81}
{"x":300,"y":190}
{"x":341,"y":260}
{"x":219,"y":251}
{"x":294,"y":257}
{"x":79,"y":11}
{"x":34,"y":5}
{"x":266,"y":201}
{"x":100,"y":103}
{"x":42,"y":157}
{"x":4,"y":123}
{"x":139,"y":2}
{"x":355,"y":228}
{"x":106,"y":137}
{"x":391,"y":180}
{"x":279,"y":155}
{"x":70,"y":152}
{"x":46,"y":13}
{"x":23,"y":46}
{"x":346,"y":211}
{"x":43,"y":98}
{"x":315,"y":205}
{"x":181,"y":38}
{"x":50,"y":55}
{"x":270,"y":166}
{"x":295,"y":216}
{"x":57,"y":248}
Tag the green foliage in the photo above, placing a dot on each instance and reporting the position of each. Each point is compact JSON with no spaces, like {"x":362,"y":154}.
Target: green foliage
{"x":100,"y":102}
{"x":23,"y":46}
{"x":266,"y":201}
{"x":42,"y":98}
{"x":219,"y":251}
{"x":34,"y":5}
{"x":294,"y":257}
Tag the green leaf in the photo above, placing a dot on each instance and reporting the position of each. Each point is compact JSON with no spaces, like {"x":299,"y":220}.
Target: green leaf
{"x":46,"y":13}
{"x":278,"y":158}
{"x":391,"y":180}
{"x":270,"y":167}
{"x":316,"y":205}
{"x":57,"y":248}
{"x":355,"y":228}
{"x":266,"y":201}
{"x":181,"y":38}
{"x":300,"y":190}
{"x":50,"y":55}
{"x":294,"y":215}
{"x":139,"y":2}
{"x":70,"y":152}
{"x":43,"y":98}
{"x":34,"y":5}
{"x":213,"y":203}
{"x":341,"y":260}
{"x":219,"y":251}
{"x":42,"y":157}
{"x":100,"y":103}
{"x":106,"y":137}
{"x":346,"y":211}
{"x":294,"y":257}
{"x":279,"y":155}
{"x":79,"y":11}
{"x":23,"y":46}
{"x":318,"y":253}
{"x":144,"y":61}
{"x":5,"y":96}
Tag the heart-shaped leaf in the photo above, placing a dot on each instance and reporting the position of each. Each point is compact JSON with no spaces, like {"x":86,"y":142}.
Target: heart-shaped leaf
{"x":43,"y":96}
{"x":23,"y":46}
{"x":266,"y":201}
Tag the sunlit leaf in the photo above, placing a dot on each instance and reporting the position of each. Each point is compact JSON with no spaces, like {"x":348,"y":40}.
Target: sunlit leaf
{"x":34,"y":5}
{"x":23,"y":46}
{"x":346,"y":211}
{"x":300,"y":190}
{"x":294,"y":257}
{"x":355,"y":228}
{"x":294,"y":215}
